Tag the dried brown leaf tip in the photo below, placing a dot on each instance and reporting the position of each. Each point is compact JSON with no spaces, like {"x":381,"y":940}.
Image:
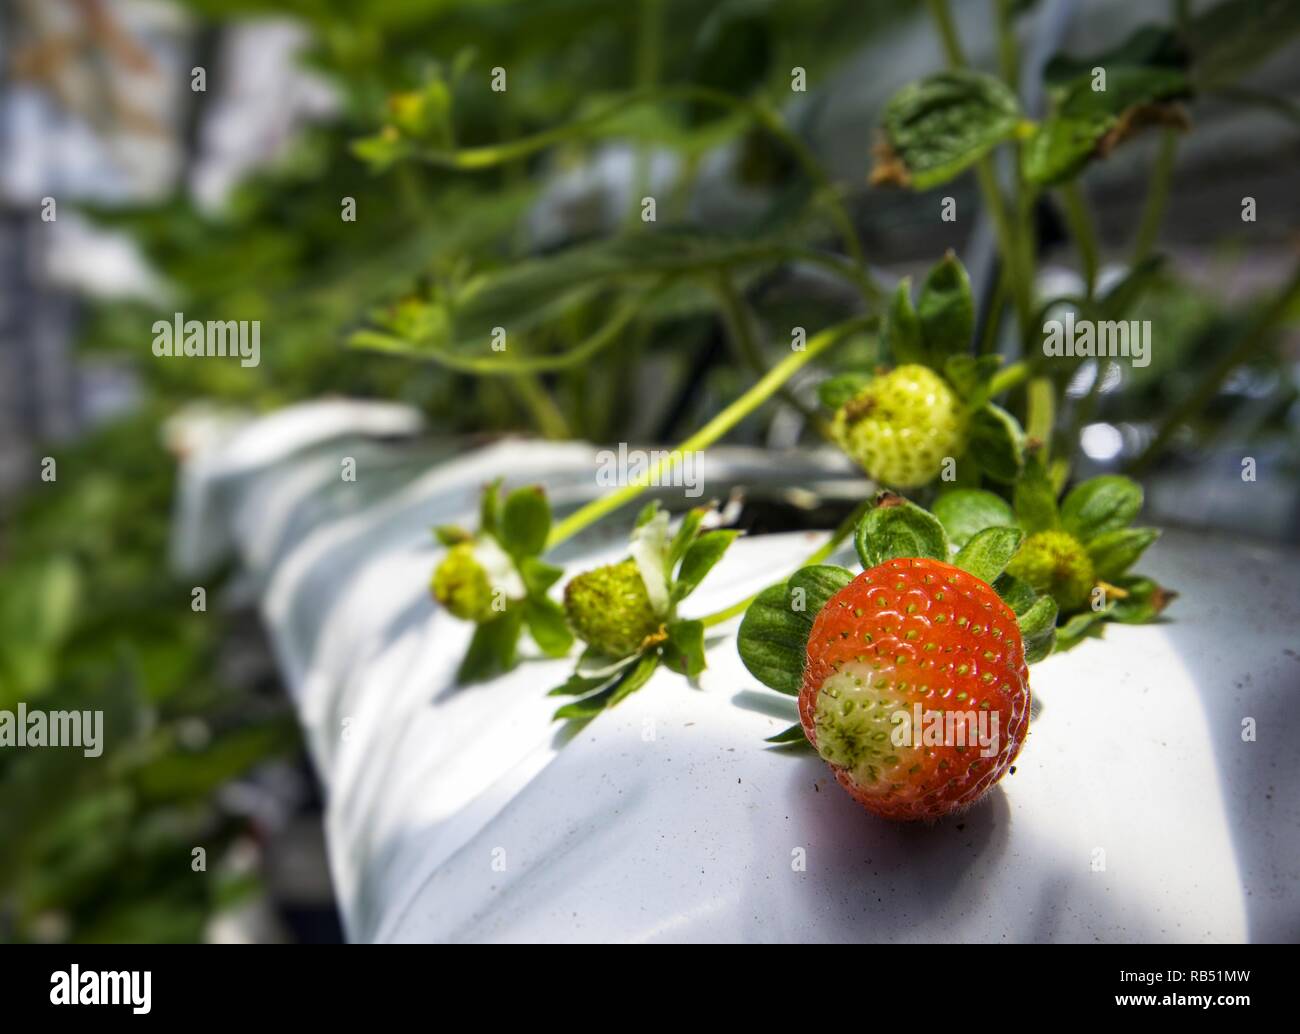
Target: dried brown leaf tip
{"x":1143,"y":116}
{"x":888,"y":169}
{"x":1162,"y":597}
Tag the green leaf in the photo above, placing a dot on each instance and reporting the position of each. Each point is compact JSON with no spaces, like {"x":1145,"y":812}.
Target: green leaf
{"x":40,"y":601}
{"x":1038,"y":628}
{"x":836,"y":391}
{"x":628,"y":681}
{"x":1016,"y":594}
{"x":538,"y":575}
{"x":450,"y":535}
{"x":703,"y":554}
{"x":684,"y":650}
{"x":489,"y":504}
{"x":902,"y":332}
{"x":793,"y":736}
{"x":971,"y":376}
{"x":494,"y":648}
{"x":547,"y":625}
{"x":594,"y":664}
{"x":686,"y":533}
{"x":1035,"y":499}
{"x":989,"y":551}
{"x":382,"y":150}
{"x":580,"y":685}
{"x":1079,"y":627}
{"x":810,"y":587}
{"x":634,"y":677}
{"x":648,"y":513}
{"x":898,"y":528}
{"x":586,"y":708}
{"x":942,"y":124}
{"x":1114,"y":552}
{"x":946,"y":311}
{"x":996,"y":443}
{"x":1144,"y":72}
{"x":1145,"y":601}
{"x":1231,"y":38}
{"x":525,"y":522}
{"x":773,"y":636}
{"x":540,"y":291}
{"x":180,"y":774}
{"x":965,"y":511}
{"x":1038,"y":618}
{"x":1037,"y":649}
{"x":1099,"y":505}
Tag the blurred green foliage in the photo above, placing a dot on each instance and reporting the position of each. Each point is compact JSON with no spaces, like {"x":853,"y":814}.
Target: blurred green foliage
{"x":99,"y":848}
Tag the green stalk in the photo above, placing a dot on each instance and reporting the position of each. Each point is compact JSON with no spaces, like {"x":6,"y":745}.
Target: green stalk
{"x":650,"y":42}
{"x":649,"y":50}
{"x":1157,"y":196}
{"x":710,"y":432}
{"x":985,"y":175}
{"x":473,"y":158}
{"x":845,"y":529}
{"x":740,"y":330}
{"x":988,"y":343}
{"x":1253,"y":337}
{"x":498,"y":364}
{"x":546,"y":414}
{"x":1008,"y":49}
{"x":1024,"y":235}
{"x":1004,"y":380}
{"x":947,"y":32}
{"x":1081,"y":229}
{"x":1041,"y":412}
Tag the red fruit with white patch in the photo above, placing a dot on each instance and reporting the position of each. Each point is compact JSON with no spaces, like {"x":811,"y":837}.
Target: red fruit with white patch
{"x":916,"y":689}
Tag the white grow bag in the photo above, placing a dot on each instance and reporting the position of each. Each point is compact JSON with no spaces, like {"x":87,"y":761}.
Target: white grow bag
{"x":1137,"y":811}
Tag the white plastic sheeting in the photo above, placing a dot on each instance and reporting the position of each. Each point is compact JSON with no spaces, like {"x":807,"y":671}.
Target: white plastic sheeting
{"x":1138,"y":809}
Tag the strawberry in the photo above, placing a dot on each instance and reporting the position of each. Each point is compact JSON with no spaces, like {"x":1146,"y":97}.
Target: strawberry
{"x":1057,"y":563}
{"x":461,"y":584}
{"x":901,"y":426}
{"x":609,"y":609}
{"x":914,"y":632}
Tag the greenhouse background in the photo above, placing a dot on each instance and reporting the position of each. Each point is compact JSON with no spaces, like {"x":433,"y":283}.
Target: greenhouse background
{"x":261,"y":161}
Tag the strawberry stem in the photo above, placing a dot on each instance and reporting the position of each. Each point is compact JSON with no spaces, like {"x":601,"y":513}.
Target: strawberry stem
{"x":771,"y":121}
{"x":763,"y":390}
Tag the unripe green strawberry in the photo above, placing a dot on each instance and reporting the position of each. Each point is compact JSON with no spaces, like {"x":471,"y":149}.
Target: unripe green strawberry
{"x":915,"y":635}
{"x":902,"y":425}
{"x":609,"y":610}
{"x":1056,"y":563}
{"x":462,"y":585}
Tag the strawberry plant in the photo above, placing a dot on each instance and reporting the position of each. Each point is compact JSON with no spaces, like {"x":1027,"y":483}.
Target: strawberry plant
{"x":626,"y":613}
{"x":928,"y":623}
{"x":967,"y":420}
{"x":953,"y":403}
{"x":496,"y":579}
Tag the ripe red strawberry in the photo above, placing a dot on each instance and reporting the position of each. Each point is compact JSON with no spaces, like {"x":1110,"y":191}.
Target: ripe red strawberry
{"x":909,"y":632}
